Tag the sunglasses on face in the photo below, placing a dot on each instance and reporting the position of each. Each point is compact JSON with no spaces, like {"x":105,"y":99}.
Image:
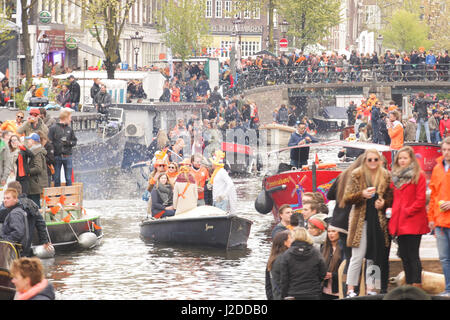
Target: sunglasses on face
{"x":372,"y":159}
{"x":172,"y":168}
{"x":19,"y":117}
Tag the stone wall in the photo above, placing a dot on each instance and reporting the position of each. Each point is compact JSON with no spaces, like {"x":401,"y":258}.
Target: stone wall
{"x":267,"y":100}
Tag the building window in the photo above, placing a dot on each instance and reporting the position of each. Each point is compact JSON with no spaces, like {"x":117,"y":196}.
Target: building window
{"x":218,"y":8}
{"x":257,"y":13}
{"x":247,"y":14}
{"x":208,"y":9}
{"x":227,"y":9}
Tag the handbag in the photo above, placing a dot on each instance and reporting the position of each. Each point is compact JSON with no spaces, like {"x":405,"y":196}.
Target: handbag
{"x":146,"y":195}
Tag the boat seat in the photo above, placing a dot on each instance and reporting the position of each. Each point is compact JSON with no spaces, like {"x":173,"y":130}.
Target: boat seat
{"x":72,"y":202}
{"x":282,"y":167}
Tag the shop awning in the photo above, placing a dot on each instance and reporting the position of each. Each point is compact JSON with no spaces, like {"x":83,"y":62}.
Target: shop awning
{"x":90,"y":50}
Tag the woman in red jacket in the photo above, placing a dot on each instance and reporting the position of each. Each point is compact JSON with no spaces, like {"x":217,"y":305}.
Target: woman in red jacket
{"x":444,"y":126}
{"x":409,"y":216}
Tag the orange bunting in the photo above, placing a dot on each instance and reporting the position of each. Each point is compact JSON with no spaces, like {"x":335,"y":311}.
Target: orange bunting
{"x":54,"y":210}
{"x":317,"y":159}
{"x":67,"y":218}
{"x":62,"y":199}
{"x":47,"y":199}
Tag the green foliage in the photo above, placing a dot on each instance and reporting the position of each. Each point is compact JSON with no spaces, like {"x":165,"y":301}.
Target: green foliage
{"x":110,"y":16}
{"x":405,"y":32}
{"x":309,"y":20}
{"x":185,"y":29}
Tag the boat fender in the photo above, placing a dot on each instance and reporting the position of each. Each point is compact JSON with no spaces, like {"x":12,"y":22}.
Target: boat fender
{"x":87,"y":239}
{"x":264,"y":202}
{"x":42,"y":253}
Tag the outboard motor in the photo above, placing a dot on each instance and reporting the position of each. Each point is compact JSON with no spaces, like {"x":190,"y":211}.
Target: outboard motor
{"x":264,"y":202}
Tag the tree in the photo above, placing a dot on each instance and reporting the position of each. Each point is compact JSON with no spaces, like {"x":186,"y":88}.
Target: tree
{"x":309,"y":20}
{"x":110,"y":16}
{"x":185,"y":28}
{"x":405,"y":32}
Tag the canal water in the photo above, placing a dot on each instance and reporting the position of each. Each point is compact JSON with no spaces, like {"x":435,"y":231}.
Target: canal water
{"x":124,"y":267}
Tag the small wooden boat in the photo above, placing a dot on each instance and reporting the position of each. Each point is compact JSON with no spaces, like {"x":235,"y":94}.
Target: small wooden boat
{"x":277,"y":134}
{"x":68,"y":223}
{"x":8,"y":254}
{"x":203,"y":226}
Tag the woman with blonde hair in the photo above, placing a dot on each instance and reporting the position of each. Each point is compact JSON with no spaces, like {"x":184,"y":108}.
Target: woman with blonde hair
{"x":409,"y":216}
{"x":303,"y":268}
{"x":172,"y":172}
{"x":370,"y":192}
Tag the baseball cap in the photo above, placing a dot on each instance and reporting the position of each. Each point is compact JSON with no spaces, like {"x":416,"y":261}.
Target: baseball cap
{"x":34,"y":136}
{"x":35,"y":111}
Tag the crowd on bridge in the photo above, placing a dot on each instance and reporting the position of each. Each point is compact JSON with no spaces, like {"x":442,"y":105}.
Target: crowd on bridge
{"x":297,"y":67}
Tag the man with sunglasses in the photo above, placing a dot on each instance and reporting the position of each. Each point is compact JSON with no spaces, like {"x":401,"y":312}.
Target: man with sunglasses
{"x":19,"y":118}
{"x":33,"y":124}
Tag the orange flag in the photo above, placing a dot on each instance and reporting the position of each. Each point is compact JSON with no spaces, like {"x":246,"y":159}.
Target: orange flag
{"x":54,"y":210}
{"x":7,"y":73}
{"x":67,"y":218}
{"x":96,"y":227}
{"x":62,"y":199}
{"x":317,"y":159}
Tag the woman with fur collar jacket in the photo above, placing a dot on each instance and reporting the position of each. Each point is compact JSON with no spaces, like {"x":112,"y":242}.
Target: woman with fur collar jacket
{"x":370,"y":193}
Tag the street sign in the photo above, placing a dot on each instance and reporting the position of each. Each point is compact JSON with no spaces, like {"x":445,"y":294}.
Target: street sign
{"x":283,"y":43}
{"x":13,"y":73}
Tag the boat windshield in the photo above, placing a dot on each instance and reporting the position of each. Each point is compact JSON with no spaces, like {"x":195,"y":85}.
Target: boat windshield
{"x":327,"y":153}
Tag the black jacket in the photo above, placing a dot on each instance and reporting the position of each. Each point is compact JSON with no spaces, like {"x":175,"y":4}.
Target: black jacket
{"x":340,"y":215}
{"x":274,"y":277}
{"x":15,"y":226}
{"x":36,"y":223}
{"x":63,"y":139}
{"x":50,"y":156}
{"x":94,"y":90}
{"x":302,"y":271}
{"x":74,"y":89}
{"x":421,"y":107}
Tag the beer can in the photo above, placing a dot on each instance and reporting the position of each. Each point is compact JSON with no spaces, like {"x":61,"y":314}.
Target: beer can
{"x":388,"y":213}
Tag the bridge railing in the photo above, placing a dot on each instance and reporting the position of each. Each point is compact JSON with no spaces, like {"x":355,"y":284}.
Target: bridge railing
{"x":259,"y":77}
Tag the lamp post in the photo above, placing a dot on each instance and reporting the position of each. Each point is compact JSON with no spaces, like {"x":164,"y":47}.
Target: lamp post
{"x":379,"y":43}
{"x":44,"y":48}
{"x":284,"y":27}
{"x":238,"y":29}
{"x":136,"y":40}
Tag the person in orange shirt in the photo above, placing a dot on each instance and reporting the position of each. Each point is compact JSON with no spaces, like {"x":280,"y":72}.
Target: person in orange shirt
{"x":175,"y":94}
{"x":439,"y":210}
{"x":395,"y":130}
{"x":201,"y":174}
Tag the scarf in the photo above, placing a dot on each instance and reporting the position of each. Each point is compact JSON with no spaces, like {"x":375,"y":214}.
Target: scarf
{"x":34,"y":290}
{"x":165,"y":194}
{"x":211,"y":181}
{"x":402,"y":176}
